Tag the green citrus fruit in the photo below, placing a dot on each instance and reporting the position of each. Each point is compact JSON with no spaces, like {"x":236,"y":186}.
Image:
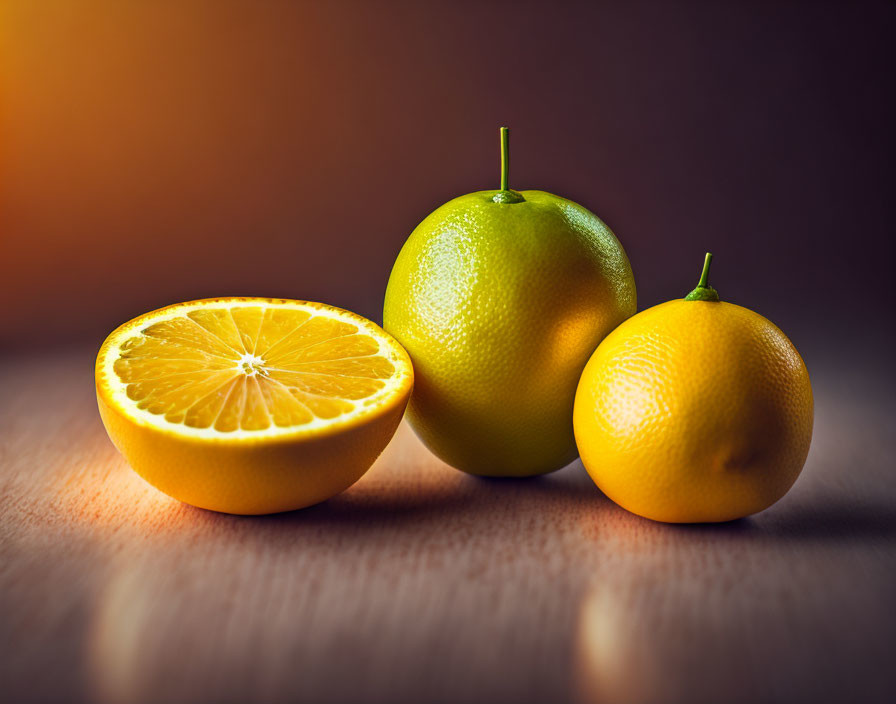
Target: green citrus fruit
{"x":500,"y":298}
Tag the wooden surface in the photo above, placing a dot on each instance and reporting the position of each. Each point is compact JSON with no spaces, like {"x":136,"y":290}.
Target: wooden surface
{"x":422,"y":584}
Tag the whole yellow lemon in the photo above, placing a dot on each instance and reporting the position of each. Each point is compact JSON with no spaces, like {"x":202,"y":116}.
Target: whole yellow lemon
{"x":500,"y":297}
{"x":694,"y":410}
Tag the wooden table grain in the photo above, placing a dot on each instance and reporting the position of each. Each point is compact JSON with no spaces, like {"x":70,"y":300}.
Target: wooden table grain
{"x":421,"y":584}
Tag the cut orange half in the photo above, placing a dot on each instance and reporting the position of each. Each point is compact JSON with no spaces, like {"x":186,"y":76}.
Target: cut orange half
{"x":251,"y":405}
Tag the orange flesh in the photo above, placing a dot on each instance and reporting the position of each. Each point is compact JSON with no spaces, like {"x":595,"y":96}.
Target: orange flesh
{"x":250,"y":368}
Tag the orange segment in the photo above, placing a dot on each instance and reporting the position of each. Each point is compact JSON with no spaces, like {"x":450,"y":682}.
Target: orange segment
{"x":220,"y":323}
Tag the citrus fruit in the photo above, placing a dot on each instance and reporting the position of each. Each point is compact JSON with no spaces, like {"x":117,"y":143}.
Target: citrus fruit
{"x":694,"y":410}
{"x":251,"y":405}
{"x":500,"y":297}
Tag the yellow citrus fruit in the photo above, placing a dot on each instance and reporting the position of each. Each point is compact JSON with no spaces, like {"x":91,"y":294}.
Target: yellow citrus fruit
{"x":500,"y":298}
{"x":694,"y":410}
{"x":251,"y":405}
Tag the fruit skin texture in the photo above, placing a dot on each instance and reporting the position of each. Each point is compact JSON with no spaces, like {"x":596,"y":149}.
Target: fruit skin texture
{"x":694,"y":411}
{"x":250,"y":476}
{"x":499,"y":306}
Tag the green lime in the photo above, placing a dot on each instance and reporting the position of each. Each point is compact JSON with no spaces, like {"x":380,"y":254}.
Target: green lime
{"x":500,"y":298}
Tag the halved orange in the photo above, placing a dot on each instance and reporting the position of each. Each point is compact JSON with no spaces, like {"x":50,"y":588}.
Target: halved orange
{"x":251,"y":405}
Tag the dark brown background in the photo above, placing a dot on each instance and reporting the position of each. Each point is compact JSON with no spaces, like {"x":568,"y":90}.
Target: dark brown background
{"x":157,"y":152}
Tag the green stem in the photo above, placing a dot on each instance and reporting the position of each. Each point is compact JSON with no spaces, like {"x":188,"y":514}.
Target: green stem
{"x":505,"y":195}
{"x":505,"y":157}
{"x":704,"y":292}
{"x":704,"y":276}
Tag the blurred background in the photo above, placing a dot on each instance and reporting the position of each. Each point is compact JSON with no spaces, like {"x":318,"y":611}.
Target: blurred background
{"x":155,"y":152}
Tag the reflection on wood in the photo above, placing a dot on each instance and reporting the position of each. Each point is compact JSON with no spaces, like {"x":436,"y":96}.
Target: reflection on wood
{"x":423,"y":584}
